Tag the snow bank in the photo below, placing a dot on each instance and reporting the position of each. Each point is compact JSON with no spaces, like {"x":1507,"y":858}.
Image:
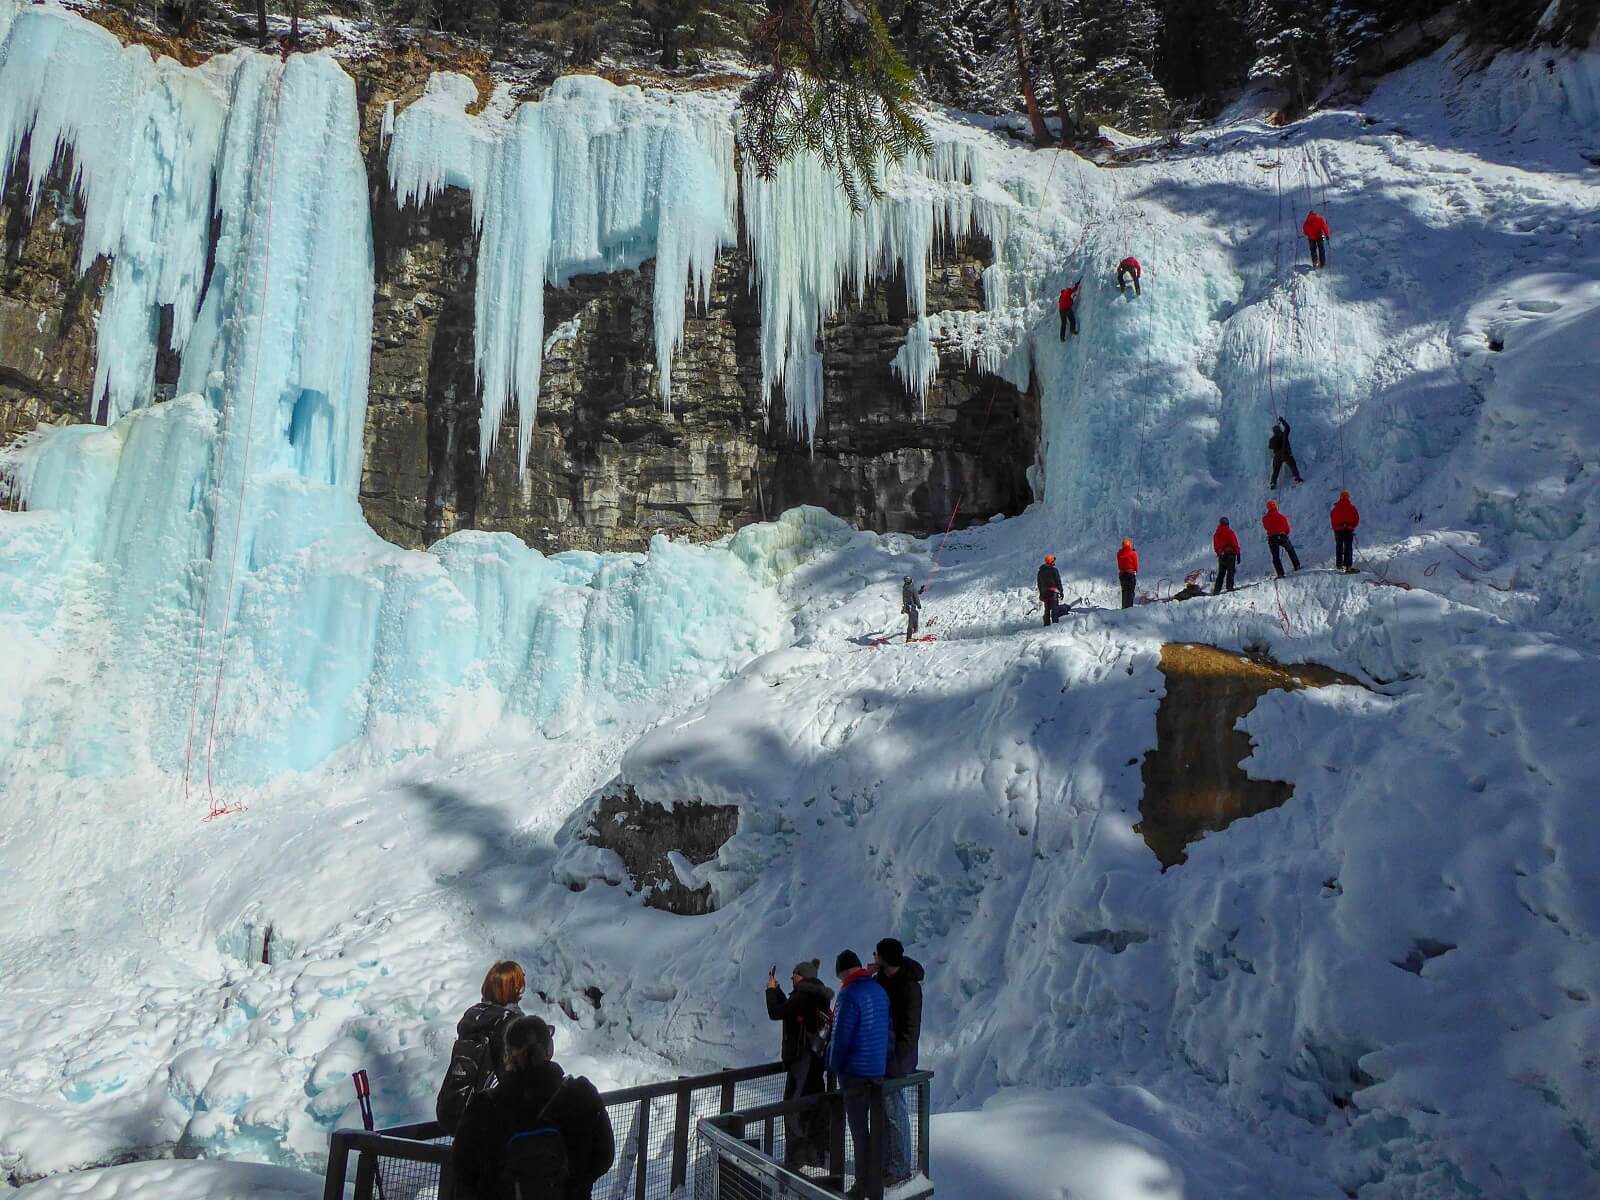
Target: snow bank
{"x":180,"y":1181}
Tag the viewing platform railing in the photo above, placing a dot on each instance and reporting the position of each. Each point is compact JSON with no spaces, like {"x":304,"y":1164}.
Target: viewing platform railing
{"x":742,"y":1134}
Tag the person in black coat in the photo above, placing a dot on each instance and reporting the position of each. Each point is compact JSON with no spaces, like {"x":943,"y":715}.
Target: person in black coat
{"x":805,"y":1014}
{"x":902,"y":978}
{"x":477,"y":1059}
{"x":527,"y":1099}
{"x":1050,"y":589}
{"x":911,"y":605}
{"x":1282,"y":452}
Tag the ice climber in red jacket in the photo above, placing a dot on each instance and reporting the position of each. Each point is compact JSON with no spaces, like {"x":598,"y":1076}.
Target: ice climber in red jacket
{"x":1067,"y":307}
{"x":1344,"y":516}
{"x":1316,"y":231}
{"x":1277,"y":527}
{"x":1127,"y":571}
{"x":1128,"y":269}
{"x":1226,"y":543}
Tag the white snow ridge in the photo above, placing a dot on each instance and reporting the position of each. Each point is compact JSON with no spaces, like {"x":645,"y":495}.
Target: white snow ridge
{"x":1385,"y":986}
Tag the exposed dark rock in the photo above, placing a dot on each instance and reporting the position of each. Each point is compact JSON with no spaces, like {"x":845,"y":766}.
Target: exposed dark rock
{"x":643,"y":834}
{"x":47,"y":309}
{"x":608,"y":466}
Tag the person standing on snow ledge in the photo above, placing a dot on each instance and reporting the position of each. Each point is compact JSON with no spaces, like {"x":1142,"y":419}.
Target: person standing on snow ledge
{"x":1050,"y":589}
{"x":1344,"y":517}
{"x":911,"y":605}
{"x":1277,"y":527}
{"x":1226,"y":543}
{"x":1316,"y":231}
{"x":1067,"y":305}
{"x":1127,"y":571}
{"x":1127,"y":269}
{"x":1282,"y":452}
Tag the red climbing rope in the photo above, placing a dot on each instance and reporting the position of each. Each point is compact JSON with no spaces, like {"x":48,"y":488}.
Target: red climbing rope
{"x":218,"y":808}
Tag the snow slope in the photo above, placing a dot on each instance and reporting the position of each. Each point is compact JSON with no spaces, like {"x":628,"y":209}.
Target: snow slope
{"x":1385,"y":988}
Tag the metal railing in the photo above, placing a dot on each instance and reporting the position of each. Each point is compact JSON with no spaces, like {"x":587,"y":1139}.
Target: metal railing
{"x":805,"y":1148}
{"x":652,"y":1124}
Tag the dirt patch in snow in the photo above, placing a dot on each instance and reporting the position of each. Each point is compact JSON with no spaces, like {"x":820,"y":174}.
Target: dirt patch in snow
{"x":1193,"y":784}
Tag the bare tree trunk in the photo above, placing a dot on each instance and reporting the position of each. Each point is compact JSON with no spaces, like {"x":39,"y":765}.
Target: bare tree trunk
{"x":294,"y":22}
{"x":261,"y":21}
{"x":1041,"y":134}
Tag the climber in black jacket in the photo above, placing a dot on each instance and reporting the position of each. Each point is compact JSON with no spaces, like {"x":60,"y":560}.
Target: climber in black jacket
{"x":805,"y":1013}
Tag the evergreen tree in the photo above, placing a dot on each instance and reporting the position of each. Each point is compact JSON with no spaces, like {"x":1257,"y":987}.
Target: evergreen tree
{"x":1291,"y":45}
{"x":1205,"y":51}
{"x":1101,"y":56}
{"x":835,"y":86}
{"x":941,"y":41}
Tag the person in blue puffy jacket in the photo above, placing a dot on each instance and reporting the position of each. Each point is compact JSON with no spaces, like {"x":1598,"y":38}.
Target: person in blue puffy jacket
{"x":858,"y":1052}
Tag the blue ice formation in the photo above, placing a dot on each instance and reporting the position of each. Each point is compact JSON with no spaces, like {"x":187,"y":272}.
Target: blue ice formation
{"x":596,"y":177}
{"x":203,"y":564}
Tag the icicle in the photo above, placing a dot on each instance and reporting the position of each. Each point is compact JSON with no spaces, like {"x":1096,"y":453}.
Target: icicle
{"x":144,"y":137}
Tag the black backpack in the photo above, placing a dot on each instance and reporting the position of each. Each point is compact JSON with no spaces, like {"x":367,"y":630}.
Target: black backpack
{"x":471,"y":1070}
{"x":535,"y":1162}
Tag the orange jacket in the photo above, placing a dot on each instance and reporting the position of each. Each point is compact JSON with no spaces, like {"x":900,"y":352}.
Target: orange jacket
{"x":1225,"y":540}
{"x":1128,"y":561}
{"x":1344,"y":515}
{"x":1316,"y":226}
{"x":1275,"y":523}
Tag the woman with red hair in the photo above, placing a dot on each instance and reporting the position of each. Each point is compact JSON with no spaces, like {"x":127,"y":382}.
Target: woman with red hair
{"x":478,"y":1057}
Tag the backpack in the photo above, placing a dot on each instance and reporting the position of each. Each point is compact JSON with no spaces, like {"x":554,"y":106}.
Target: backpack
{"x":535,"y":1163}
{"x":471,"y":1070}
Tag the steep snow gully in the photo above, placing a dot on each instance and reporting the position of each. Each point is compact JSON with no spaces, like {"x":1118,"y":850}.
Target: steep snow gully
{"x":1386,"y":988}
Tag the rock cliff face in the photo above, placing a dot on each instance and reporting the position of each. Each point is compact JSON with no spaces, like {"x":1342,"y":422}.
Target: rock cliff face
{"x":47,"y":309}
{"x":609,"y":466}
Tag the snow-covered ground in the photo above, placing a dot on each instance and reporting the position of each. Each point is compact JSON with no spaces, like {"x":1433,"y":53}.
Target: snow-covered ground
{"x":1385,"y":988}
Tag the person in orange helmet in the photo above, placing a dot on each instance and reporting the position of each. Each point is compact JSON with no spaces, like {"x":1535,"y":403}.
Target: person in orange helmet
{"x":1128,"y":269}
{"x":1050,"y":590}
{"x":1277,"y":527}
{"x":1127,"y":571}
{"x":1344,"y":517}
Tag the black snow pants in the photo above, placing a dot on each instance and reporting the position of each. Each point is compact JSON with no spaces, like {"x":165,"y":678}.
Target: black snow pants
{"x":1052,"y":604}
{"x":1225,"y":565}
{"x":1280,"y":541}
{"x":913,"y":621}
{"x":1123,"y":273}
{"x":1319,"y":251}
{"x":1286,"y":459}
{"x":1344,"y":548}
{"x":1129,"y":579}
{"x":1069,"y":316}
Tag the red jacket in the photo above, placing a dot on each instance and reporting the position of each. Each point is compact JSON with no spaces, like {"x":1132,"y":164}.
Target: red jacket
{"x":1128,"y":560}
{"x":1225,"y":541}
{"x":1344,"y":515}
{"x":1069,"y":297}
{"x":1316,"y":226}
{"x":1131,"y":263}
{"x":1275,"y":523}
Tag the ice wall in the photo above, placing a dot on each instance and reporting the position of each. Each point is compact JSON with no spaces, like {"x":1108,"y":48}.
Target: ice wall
{"x":592,"y":178}
{"x":204,"y":561}
{"x":599,"y":178}
{"x":143,"y":136}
